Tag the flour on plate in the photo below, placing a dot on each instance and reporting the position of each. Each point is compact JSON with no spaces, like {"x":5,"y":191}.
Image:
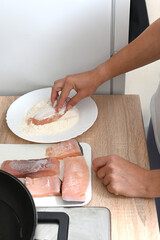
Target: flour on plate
{"x":67,"y":121}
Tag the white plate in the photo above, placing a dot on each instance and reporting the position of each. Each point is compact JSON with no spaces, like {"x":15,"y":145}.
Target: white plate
{"x":87,"y":116}
{"x":31,"y":151}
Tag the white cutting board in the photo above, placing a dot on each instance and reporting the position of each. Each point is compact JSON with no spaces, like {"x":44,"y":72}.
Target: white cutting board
{"x":35,"y":151}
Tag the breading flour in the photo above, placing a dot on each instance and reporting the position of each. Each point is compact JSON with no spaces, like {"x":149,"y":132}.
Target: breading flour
{"x":67,"y":121}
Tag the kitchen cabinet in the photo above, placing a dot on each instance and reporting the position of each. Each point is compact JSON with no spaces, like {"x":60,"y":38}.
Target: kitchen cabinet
{"x":42,"y":41}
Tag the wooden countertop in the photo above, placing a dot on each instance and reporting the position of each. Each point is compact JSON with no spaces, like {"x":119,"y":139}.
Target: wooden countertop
{"x":117,"y":130}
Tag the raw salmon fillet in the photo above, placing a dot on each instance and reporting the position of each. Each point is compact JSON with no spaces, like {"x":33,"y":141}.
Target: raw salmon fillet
{"x":32,"y":168}
{"x":44,"y":186}
{"x":75,"y":179}
{"x":47,"y":114}
{"x":64,"y":149}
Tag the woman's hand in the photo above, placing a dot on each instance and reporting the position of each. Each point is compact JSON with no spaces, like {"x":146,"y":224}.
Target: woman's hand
{"x":85,"y":84}
{"x":122,"y":177}
{"x":136,"y":54}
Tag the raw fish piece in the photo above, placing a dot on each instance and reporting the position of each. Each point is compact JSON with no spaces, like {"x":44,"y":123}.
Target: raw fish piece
{"x":32,"y":168}
{"x":64,"y":149}
{"x":22,"y":180}
{"x":47,"y":114}
{"x":44,"y":186}
{"x":75,"y":179}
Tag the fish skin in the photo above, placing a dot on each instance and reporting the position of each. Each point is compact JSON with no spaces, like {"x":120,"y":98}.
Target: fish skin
{"x":75,"y":179}
{"x":32,"y":167}
{"x":69,"y":148}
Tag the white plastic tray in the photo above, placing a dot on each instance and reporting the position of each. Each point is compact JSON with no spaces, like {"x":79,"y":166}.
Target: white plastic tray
{"x":31,"y":151}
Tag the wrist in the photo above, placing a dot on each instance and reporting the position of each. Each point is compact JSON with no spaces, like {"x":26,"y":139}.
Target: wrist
{"x":153,"y":183}
{"x":102,"y":72}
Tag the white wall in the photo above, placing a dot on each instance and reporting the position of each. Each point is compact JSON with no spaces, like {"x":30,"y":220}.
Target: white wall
{"x":144,"y":81}
{"x":42,"y":41}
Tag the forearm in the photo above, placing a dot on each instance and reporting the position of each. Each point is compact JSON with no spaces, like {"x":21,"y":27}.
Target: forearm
{"x":142,"y":51}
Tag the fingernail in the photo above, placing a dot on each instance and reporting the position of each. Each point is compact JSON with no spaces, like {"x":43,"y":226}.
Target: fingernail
{"x":69,"y":107}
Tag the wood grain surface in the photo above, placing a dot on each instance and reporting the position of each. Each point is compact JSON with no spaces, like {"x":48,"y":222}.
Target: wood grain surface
{"x":117,"y":130}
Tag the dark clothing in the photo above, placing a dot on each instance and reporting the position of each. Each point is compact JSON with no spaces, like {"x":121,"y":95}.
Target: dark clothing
{"x":154,"y":158}
{"x":138,"y":18}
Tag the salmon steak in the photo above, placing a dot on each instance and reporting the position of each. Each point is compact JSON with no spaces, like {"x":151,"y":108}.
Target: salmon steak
{"x":44,"y":186}
{"x":32,"y":168}
{"x":64,"y":149}
{"x":47,"y":114}
{"x":75,"y":179}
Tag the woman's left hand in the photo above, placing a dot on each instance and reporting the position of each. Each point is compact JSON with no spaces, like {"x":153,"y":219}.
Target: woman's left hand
{"x":121,"y":177}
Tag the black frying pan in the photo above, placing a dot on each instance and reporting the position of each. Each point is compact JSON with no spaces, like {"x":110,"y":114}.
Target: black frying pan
{"x":18,"y":216}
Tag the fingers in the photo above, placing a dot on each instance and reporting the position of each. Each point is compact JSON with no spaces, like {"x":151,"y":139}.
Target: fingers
{"x":73,"y":101}
{"x":76,"y":99}
{"x":63,"y":96}
{"x":106,"y":176}
{"x":110,"y":180}
{"x":81,"y":83}
{"x":101,"y":173}
{"x":105,"y":170}
{"x":99,"y":163}
{"x":114,"y":188}
{"x":58,"y":85}
{"x":106,"y":180}
{"x":54,"y":96}
{"x":66,"y":84}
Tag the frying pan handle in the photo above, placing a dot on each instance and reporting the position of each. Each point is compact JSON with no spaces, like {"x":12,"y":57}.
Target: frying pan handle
{"x":56,"y":217}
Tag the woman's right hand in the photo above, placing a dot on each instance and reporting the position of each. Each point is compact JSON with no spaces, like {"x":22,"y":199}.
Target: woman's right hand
{"x":85,"y":84}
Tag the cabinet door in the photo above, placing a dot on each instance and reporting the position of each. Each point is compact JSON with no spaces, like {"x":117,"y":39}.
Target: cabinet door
{"x":42,"y":41}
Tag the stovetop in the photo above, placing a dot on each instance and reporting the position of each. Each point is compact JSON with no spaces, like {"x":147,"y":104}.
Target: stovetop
{"x":84,"y":223}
